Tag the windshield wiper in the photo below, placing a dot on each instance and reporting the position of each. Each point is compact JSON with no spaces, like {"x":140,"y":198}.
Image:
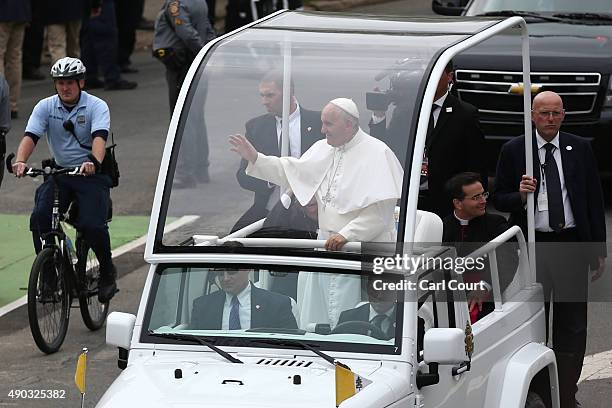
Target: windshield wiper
{"x":529,"y":14}
{"x":303,"y":346}
{"x":196,"y":339}
{"x":585,"y":16}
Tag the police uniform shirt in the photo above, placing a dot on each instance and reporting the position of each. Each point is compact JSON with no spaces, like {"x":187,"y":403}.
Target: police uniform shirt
{"x":244,"y":308}
{"x":183,"y":24}
{"x":90,"y":114}
{"x":541,"y":215}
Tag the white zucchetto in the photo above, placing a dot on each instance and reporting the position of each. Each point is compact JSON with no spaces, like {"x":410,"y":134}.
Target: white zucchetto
{"x":346,"y":105}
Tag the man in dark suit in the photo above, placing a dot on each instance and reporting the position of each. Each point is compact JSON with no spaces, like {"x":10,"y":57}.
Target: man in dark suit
{"x":569,"y":210}
{"x":468,"y":228}
{"x":241,"y":305}
{"x":454,"y":144}
{"x":380,"y":312}
{"x":264,"y":133}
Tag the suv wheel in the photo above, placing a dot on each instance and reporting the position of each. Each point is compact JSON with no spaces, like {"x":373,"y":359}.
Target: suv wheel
{"x":534,"y":401}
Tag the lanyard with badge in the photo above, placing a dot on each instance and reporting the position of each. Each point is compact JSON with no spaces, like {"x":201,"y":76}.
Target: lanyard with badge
{"x":542,"y":195}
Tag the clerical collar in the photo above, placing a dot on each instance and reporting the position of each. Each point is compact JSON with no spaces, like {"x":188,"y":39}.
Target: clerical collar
{"x":542,"y":142}
{"x":461,"y":220}
{"x":292,"y":116}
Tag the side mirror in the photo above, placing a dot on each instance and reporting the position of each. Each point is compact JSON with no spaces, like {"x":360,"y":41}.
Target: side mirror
{"x":444,"y":346}
{"x":119,"y":329}
{"x":448,"y":7}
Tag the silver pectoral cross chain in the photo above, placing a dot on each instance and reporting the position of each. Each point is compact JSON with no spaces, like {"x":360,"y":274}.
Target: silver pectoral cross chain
{"x":327,"y":198}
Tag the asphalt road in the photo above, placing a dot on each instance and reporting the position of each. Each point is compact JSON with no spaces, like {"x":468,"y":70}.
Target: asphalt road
{"x":140,"y":118}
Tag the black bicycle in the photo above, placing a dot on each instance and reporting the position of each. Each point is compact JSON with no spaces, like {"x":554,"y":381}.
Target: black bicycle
{"x":61,"y":272}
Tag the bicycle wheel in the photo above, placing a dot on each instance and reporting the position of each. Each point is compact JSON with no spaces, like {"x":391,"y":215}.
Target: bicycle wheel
{"x":88,"y":271}
{"x":48,"y":312}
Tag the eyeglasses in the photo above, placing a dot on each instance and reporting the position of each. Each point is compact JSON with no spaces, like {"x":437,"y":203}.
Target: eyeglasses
{"x":547,"y":114}
{"x":478,"y":197}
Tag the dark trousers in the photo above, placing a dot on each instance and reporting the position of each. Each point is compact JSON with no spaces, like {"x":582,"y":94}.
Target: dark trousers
{"x":33,"y":37}
{"x":99,"y":44}
{"x":193,"y":156}
{"x":92,"y":195}
{"x":562,"y":269}
{"x":128,"y":13}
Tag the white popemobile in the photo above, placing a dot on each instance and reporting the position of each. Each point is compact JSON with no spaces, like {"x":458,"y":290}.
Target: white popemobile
{"x":235,"y":319}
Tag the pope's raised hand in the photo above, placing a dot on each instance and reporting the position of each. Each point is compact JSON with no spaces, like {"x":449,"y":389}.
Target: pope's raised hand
{"x":243,"y":147}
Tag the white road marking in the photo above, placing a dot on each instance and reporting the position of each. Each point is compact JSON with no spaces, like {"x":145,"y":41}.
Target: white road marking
{"x":186,"y":219}
{"x":597,"y":366}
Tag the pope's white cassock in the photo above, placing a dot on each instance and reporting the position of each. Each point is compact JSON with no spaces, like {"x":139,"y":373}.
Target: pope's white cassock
{"x":356,"y":186}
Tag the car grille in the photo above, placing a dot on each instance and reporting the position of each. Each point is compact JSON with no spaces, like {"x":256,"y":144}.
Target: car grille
{"x":490,"y":91}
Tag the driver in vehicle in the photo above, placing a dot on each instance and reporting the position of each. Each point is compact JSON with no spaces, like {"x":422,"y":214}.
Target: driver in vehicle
{"x":379,"y":312}
{"x":241,"y":305}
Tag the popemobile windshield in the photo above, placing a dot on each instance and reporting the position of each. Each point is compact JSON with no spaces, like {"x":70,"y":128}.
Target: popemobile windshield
{"x":254,"y":298}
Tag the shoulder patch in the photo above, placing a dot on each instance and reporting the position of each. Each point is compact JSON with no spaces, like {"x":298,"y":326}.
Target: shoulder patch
{"x":178,"y":21}
{"x":174,"y":8}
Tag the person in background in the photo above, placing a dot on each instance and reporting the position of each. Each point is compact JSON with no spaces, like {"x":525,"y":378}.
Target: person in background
{"x":128,"y":13}
{"x":454,"y":144}
{"x":182,"y":28}
{"x":99,"y":47}
{"x":64,"y":19}
{"x":33,"y":42}
{"x":264,"y":132}
{"x":5,"y":121}
{"x":14,"y":15}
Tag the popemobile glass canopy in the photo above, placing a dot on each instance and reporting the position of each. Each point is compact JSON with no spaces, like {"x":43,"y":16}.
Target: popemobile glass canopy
{"x":236,"y":86}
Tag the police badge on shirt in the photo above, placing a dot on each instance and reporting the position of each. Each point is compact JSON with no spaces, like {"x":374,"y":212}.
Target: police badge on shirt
{"x":80,"y":120}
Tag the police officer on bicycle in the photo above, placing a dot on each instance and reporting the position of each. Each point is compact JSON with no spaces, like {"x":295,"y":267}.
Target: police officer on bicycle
{"x":5,"y":121}
{"x":68,"y":143}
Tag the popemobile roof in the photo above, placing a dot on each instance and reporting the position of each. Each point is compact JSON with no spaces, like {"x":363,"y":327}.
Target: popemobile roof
{"x":399,"y":25}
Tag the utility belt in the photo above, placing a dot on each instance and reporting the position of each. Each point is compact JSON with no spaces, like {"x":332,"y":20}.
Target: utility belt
{"x":175,"y":59}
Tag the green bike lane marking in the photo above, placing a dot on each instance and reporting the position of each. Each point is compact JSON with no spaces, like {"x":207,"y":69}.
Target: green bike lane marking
{"x":17,"y":250}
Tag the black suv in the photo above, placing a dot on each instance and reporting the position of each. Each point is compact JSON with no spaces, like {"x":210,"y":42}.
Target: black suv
{"x":571,"y":54}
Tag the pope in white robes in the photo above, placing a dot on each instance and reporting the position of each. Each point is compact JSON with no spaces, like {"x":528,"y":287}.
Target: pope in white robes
{"x":356,"y":180}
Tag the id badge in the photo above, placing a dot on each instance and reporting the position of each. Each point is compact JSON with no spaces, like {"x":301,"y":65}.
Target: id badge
{"x":543,"y":202}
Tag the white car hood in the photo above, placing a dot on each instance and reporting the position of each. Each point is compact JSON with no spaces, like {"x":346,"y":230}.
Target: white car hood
{"x":152,"y":384}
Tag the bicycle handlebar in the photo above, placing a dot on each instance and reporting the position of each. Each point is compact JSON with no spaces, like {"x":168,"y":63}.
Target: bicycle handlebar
{"x":47,"y":171}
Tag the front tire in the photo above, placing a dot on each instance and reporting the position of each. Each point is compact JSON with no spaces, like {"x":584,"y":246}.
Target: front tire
{"x":48,"y":316}
{"x":88,"y":272}
{"x":534,"y":401}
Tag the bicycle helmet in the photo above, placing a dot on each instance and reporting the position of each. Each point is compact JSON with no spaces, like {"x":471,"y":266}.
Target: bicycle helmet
{"x":68,"y":68}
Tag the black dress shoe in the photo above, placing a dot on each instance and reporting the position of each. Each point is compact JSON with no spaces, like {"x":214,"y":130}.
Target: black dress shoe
{"x":33,"y":74}
{"x":93,"y":83}
{"x":128,"y":69}
{"x":14,"y":114}
{"x":120,"y":85}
